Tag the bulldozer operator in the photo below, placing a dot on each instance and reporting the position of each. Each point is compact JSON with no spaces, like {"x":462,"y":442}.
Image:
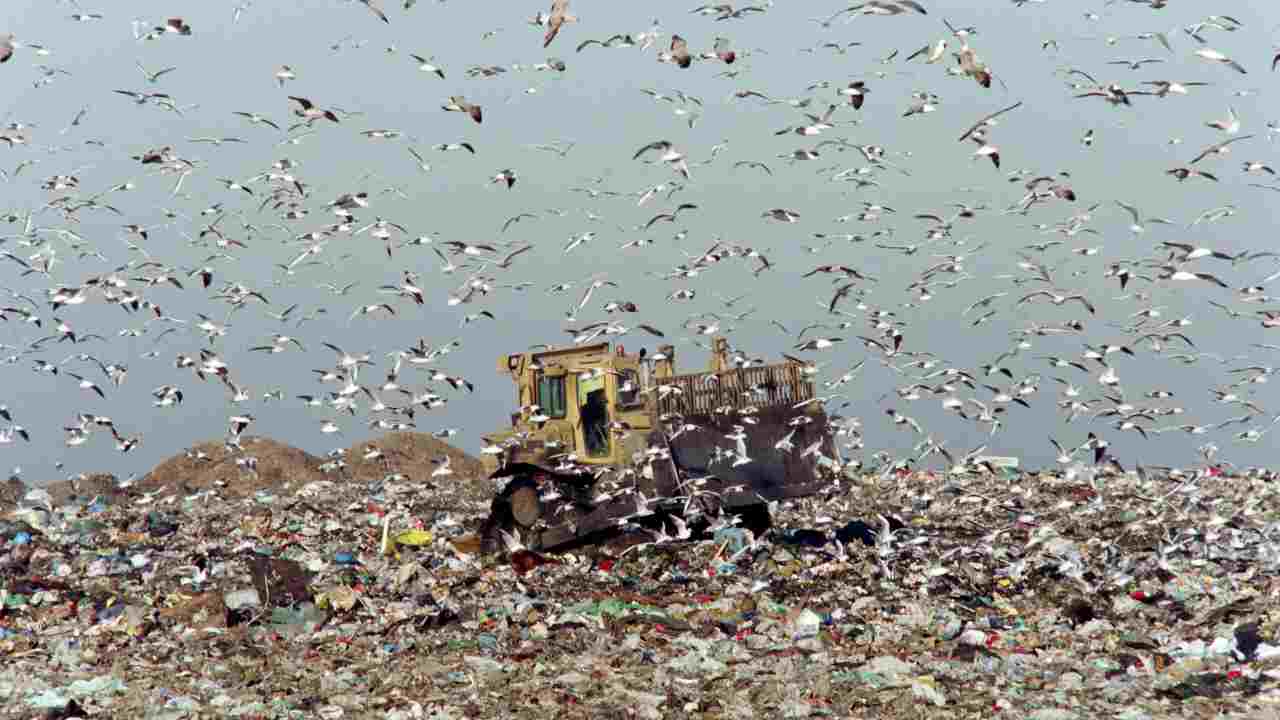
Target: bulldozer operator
{"x":595,"y":423}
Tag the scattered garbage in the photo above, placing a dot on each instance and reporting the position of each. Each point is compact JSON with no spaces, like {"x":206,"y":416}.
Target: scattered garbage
{"x":1048,"y":596}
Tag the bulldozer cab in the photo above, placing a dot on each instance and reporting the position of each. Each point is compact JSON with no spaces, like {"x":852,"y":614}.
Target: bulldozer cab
{"x":583,"y":401}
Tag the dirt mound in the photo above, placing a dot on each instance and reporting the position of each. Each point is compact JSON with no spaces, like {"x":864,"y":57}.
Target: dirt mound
{"x":100,"y":485}
{"x":412,"y":454}
{"x":81,"y":489}
{"x":202,"y":465}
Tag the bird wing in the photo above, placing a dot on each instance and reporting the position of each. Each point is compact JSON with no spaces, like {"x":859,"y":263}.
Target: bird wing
{"x":376,"y":11}
{"x":984,"y":120}
{"x":524,"y":249}
{"x":655,"y":145}
{"x":1132,"y":211}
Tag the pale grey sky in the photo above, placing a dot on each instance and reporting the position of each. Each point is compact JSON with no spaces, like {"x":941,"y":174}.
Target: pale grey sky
{"x":598,"y":104}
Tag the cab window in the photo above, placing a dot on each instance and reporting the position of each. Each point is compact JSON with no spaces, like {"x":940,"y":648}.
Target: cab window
{"x":551,"y":396}
{"x":629,"y":388}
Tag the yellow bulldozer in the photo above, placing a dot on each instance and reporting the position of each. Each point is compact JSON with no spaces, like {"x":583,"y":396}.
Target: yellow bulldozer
{"x":739,"y":434}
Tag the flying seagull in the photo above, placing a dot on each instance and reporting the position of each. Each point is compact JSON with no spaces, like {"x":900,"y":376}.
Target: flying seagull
{"x":458,"y":103}
{"x":556,"y":19}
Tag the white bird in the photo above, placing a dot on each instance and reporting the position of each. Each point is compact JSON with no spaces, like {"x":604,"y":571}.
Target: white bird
{"x":285,"y":74}
{"x":933,"y":53}
{"x":87,"y":384}
{"x":1230,"y":126}
{"x":444,"y":469}
{"x":1064,"y":457}
{"x":1214,"y":56}
{"x":428,"y":66}
{"x":1138,"y":227}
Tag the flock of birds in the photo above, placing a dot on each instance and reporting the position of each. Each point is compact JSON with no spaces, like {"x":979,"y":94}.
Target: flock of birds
{"x":181,"y":282}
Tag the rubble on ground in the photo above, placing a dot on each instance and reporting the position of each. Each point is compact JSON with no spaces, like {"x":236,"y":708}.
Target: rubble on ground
{"x":898,"y":594}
